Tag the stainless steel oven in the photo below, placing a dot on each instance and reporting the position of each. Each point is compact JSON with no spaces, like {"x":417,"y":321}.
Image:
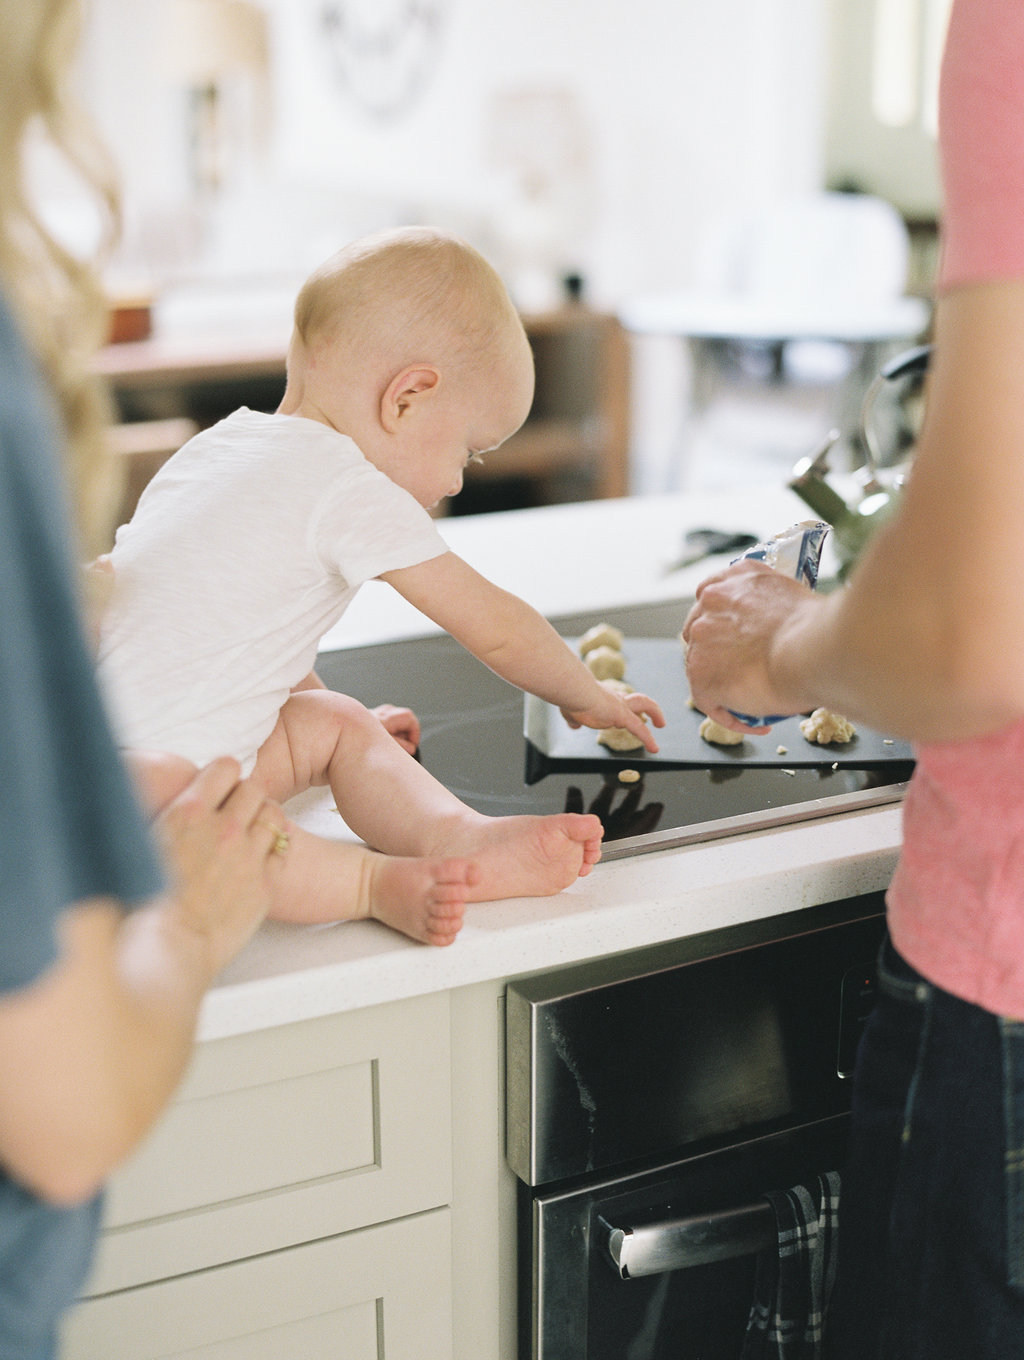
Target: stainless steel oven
{"x":653,"y":1100}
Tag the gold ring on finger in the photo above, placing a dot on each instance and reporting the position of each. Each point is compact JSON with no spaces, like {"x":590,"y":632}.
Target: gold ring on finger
{"x":282,"y":838}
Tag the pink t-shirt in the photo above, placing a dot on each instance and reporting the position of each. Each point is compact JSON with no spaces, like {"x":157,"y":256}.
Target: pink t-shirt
{"x":956,"y":904}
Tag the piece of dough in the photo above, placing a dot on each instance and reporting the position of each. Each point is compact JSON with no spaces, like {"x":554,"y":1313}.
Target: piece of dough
{"x":827,"y":729}
{"x":718,"y":735}
{"x":601,"y":635}
{"x":619,"y":739}
{"x":605,"y":663}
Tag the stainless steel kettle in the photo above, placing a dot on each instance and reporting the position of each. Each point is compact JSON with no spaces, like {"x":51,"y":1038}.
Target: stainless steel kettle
{"x":878,"y":487}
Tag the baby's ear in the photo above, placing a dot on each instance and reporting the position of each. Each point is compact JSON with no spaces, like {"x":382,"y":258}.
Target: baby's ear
{"x":405,"y":391}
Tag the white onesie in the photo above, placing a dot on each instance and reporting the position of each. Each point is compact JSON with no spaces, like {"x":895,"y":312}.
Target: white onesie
{"x":244,"y":550}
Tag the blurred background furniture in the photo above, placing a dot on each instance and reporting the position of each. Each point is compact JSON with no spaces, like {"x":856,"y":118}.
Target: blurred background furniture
{"x":811,"y":285}
{"x":141,"y":447}
{"x":574,"y":445}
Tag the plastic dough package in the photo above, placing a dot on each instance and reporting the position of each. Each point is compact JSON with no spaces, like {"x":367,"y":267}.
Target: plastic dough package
{"x":796,"y":552}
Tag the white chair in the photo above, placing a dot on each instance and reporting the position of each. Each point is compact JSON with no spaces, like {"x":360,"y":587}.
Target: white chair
{"x":825,"y":268}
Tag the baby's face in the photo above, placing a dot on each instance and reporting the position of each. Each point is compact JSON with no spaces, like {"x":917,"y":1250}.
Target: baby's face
{"x":465,"y":423}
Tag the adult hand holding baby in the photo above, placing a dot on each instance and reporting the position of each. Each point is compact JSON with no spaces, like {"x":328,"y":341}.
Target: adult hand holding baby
{"x":222,"y":842}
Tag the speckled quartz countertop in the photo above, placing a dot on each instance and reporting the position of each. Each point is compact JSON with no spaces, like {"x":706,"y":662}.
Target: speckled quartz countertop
{"x":564,"y":560}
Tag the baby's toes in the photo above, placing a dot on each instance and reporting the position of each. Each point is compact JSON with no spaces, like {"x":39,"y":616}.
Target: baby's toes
{"x":448,"y":899}
{"x":443,"y":931}
{"x":455,"y":876}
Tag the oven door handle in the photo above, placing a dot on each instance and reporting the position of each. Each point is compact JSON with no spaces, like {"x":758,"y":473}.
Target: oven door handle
{"x":682,"y":1243}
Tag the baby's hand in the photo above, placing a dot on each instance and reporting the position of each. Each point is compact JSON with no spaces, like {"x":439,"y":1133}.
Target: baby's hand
{"x":620,"y":710}
{"x":402,"y":724}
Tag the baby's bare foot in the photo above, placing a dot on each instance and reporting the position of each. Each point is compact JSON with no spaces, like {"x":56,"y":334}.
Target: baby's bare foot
{"x":531,"y":856}
{"x":423,"y":898}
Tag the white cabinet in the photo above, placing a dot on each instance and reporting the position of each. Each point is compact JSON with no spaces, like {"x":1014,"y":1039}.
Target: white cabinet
{"x":382,"y":1291}
{"x":293,"y":1202}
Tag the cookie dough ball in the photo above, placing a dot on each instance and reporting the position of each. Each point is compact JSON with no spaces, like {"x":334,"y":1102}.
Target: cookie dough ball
{"x":605,"y":663}
{"x":827,"y":728}
{"x":718,"y":735}
{"x":619,"y":739}
{"x":601,"y":635}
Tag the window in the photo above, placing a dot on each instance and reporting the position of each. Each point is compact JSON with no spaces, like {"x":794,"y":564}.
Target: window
{"x":907,"y":48}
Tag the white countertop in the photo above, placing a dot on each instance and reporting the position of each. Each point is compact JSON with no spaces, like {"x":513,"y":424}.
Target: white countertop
{"x":564,"y":560}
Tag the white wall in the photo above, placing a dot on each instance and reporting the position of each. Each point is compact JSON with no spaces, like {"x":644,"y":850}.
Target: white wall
{"x":686,"y":106}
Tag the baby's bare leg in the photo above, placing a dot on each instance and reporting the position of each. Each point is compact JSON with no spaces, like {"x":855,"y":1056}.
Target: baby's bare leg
{"x":395,"y":805}
{"x":326,"y":880}
{"x":323,"y":880}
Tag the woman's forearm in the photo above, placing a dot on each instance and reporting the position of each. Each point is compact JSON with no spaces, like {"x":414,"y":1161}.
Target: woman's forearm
{"x":91,"y":1052}
{"x":927,"y":639}
{"x":109,"y":1031}
{"x":906,"y":647}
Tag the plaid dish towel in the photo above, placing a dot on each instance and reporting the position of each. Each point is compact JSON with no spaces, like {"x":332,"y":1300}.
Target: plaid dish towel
{"x":794,"y":1283}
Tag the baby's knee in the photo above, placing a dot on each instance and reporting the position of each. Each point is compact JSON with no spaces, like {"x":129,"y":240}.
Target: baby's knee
{"x":345,"y":713}
{"x":322,"y":725}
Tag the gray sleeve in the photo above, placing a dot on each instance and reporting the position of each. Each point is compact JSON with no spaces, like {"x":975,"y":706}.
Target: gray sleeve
{"x":70,"y":827}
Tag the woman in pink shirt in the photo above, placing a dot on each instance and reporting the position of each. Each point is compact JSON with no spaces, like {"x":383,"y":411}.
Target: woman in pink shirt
{"x":927,"y":641}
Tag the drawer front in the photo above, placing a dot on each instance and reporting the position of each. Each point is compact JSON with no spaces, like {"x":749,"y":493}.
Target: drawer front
{"x":284,"y":1136}
{"x":380,"y":1292}
{"x":284,"y":1132}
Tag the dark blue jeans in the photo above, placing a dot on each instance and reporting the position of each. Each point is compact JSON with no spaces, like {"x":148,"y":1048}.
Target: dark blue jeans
{"x":931,"y":1236}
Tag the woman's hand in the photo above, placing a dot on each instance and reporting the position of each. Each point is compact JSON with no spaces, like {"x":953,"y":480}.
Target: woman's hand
{"x":733,"y":635}
{"x":225,"y":845}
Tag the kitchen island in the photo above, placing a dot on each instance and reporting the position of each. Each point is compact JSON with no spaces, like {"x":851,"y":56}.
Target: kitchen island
{"x":331,"y":1179}
{"x":564,"y":560}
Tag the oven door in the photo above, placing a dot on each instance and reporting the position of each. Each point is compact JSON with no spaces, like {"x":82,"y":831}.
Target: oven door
{"x":660,"y":1265}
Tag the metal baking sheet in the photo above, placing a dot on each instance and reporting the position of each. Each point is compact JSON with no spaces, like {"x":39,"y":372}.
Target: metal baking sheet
{"x":656,"y":667}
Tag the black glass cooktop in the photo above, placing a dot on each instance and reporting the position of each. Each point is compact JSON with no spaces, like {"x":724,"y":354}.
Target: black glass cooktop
{"x":473,"y":743}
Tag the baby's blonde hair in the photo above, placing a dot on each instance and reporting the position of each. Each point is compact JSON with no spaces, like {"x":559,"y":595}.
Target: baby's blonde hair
{"x":405,"y":295}
{"x":55,"y":296}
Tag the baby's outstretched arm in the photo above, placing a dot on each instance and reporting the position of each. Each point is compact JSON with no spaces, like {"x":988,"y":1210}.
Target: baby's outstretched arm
{"x":517,"y":643}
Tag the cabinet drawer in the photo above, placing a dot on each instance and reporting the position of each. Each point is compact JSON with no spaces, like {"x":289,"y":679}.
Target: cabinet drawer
{"x":284,"y":1136}
{"x":382,"y":1292}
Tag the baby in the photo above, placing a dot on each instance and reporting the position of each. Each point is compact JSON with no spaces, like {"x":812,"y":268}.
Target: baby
{"x":407,"y":361}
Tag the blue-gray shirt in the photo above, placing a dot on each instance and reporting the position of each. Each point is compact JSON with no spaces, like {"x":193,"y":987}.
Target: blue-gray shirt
{"x":70,"y":827}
